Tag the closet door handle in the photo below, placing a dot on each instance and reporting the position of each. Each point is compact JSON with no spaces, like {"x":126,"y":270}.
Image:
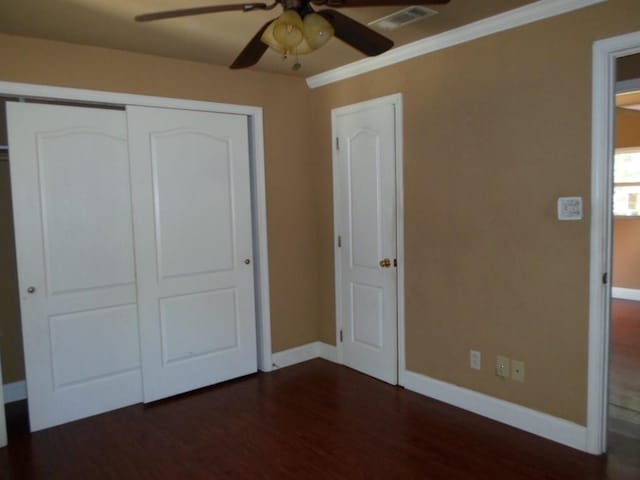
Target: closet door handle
{"x":31,"y":290}
{"x":247,"y":261}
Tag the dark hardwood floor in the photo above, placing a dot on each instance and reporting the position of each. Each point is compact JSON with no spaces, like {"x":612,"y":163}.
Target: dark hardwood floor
{"x":624,"y":383}
{"x":308,"y":421}
{"x":624,"y":369}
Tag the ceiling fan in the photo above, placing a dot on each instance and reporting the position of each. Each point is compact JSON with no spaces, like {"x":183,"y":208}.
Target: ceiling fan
{"x":301,"y":29}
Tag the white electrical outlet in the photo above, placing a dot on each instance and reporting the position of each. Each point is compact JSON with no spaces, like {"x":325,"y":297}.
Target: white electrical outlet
{"x":475,"y":359}
{"x":502,"y":366}
{"x":517,"y":370}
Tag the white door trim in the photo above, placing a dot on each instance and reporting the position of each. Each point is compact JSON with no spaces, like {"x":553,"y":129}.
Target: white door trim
{"x":396,"y":101}
{"x":605,"y":53}
{"x":256,"y":148}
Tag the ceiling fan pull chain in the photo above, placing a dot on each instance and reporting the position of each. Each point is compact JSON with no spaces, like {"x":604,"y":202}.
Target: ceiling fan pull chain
{"x":297,"y":65}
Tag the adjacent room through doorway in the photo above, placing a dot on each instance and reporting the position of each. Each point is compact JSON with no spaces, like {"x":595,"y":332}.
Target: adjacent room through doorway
{"x":624,"y":365}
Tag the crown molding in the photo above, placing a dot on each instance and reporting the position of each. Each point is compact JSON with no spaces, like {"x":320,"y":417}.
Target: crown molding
{"x":498,"y":23}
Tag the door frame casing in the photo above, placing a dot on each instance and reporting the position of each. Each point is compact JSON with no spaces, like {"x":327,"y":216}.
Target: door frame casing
{"x":396,"y":101}
{"x":257,"y":168}
{"x":605,"y":54}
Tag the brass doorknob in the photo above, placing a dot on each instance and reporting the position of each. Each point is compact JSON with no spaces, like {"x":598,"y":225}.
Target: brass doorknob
{"x":385,"y":263}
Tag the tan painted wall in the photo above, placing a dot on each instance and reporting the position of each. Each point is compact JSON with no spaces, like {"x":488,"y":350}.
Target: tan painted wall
{"x":626,"y":231}
{"x":627,"y":128}
{"x":626,"y":253}
{"x":495,"y":130}
{"x":291,"y":211}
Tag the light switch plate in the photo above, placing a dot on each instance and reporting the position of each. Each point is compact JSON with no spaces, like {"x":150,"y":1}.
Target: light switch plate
{"x":570,"y":208}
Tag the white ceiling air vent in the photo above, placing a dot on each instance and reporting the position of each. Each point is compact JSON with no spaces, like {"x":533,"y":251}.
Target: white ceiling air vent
{"x":403,"y":17}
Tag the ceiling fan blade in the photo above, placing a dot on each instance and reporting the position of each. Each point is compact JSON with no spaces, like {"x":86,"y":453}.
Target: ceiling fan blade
{"x":356,"y":34}
{"x":253,"y":51}
{"x":185,"y":12}
{"x":376,"y":3}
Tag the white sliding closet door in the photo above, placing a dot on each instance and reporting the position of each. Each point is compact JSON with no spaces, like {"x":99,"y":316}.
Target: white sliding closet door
{"x":192,"y":217}
{"x":74,"y":242}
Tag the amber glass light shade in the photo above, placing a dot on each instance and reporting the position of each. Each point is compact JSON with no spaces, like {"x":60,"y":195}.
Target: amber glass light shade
{"x":303,"y":47}
{"x":290,"y":34}
{"x":317,"y":30}
{"x":268,"y":38}
{"x":288,"y":29}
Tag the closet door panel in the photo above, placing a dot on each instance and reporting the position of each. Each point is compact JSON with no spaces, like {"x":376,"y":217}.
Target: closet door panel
{"x":86,"y":208}
{"x":74,"y":243}
{"x":198,"y":216}
{"x":192,"y":217}
{"x":105,"y":339}
{"x":188,"y":329}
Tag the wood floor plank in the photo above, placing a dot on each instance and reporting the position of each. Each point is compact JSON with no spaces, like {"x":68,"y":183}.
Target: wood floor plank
{"x":316,"y":420}
{"x":624,"y":387}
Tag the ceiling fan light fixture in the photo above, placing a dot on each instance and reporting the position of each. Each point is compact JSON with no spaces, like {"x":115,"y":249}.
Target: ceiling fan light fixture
{"x":290,"y":34}
{"x":300,"y":49}
{"x":269,"y":39}
{"x":288,"y":29}
{"x":303,"y":47}
{"x":317,"y":30}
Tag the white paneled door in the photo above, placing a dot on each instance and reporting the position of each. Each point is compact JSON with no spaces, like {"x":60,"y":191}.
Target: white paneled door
{"x":365,"y":180}
{"x":192,"y":217}
{"x":74,"y":242}
{"x":134,"y":249}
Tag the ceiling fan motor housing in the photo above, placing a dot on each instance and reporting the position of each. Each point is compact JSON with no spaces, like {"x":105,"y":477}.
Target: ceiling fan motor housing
{"x":297,"y":5}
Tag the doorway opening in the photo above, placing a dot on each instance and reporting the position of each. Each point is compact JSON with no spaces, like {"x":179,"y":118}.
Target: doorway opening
{"x":611,"y":57}
{"x":623,"y":420}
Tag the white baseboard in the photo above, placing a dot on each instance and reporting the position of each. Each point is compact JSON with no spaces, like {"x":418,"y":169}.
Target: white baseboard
{"x":14,"y":391}
{"x":295,"y":355}
{"x":328,"y":352}
{"x":532,"y":421}
{"x":625,"y":293}
{"x":303,"y":353}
